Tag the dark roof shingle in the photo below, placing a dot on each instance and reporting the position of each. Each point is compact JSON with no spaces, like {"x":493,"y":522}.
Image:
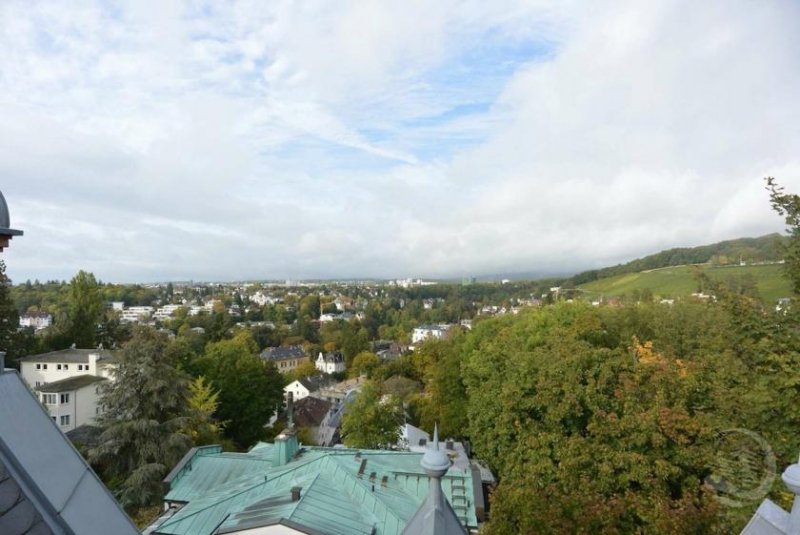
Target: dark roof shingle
{"x":70,"y":384}
{"x":77,"y":356}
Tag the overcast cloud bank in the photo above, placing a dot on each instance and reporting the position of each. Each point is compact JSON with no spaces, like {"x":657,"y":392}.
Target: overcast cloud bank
{"x":256,"y":140}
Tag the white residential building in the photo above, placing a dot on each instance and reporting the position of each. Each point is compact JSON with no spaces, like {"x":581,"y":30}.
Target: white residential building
{"x":302,"y":388}
{"x":38,"y":321}
{"x":66,"y":382}
{"x":137,"y":313}
{"x":72,"y":402}
{"x":330,"y":362}
{"x":166,"y":311}
{"x":429,"y":332}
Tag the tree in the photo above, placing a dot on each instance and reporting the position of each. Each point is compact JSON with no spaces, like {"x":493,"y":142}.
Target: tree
{"x":9,"y":317}
{"x":249,"y":387}
{"x":306,"y":369}
{"x":372,"y":421}
{"x":788,"y":205}
{"x":617,"y":435}
{"x":84,"y":309}
{"x":203,"y":402}
{"x":145,"y":412}
{"x":363,"y":364}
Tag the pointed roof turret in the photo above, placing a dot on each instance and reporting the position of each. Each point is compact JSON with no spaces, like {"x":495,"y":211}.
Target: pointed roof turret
{"x":435,"y":516}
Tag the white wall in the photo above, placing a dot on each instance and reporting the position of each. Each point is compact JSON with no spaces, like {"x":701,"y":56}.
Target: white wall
{"x":36,"y":377}
{"x":81,"y":408}
{"x":297,"y":389}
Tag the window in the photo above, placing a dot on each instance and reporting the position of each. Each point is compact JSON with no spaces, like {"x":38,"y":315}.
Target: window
{"x":64,"y":398}
{"x":44,"y":366}
{"x":58,"y":366}
{"x":80,"y":367}
{"x":66,"y":366}
{"x":54,"y":418}
{"x":65,"y":419}
{"x":49,"y":399}
{"x":38,"y":366}
{"x":38,"y":383}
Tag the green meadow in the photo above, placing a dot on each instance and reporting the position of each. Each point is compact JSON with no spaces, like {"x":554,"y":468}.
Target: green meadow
{"x":679,"y":281}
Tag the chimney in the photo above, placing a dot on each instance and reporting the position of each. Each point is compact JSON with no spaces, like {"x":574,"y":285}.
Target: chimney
{"x":290,"y":410}
{"x":286,"y":445}
{"x":93,"y":363}
{"x":296,"y":493}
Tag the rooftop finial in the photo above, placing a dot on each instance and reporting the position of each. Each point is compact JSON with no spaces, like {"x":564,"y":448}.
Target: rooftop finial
{"x":435,"y":515}
{"x":435,"y":462}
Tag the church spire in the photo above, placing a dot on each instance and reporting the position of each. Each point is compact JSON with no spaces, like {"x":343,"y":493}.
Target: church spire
{"x":435,"y":516}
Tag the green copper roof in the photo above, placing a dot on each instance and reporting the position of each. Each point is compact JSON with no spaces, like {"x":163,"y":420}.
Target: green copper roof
{"x":342,"y":491}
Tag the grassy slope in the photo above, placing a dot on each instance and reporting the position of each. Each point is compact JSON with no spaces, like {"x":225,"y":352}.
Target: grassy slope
{"x":678,"y":281}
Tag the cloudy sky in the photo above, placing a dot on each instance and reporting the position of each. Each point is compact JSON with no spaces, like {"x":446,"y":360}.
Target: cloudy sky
{"x":301,"y":139}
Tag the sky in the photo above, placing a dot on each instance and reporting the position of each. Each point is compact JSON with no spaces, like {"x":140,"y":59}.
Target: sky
{"x":153,"y":141}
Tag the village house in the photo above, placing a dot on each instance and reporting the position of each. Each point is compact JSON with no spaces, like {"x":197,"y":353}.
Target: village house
{"x":429,"y":332}
{"x":285,"y":358}
{"x":303,"y":387}
{"x":332,"y":362}
{"x":37,"y":320}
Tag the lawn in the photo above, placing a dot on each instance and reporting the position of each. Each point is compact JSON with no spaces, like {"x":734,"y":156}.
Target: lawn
{"x":679,"y":281}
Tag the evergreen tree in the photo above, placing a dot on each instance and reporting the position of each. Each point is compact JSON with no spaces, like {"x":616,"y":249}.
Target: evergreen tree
{"x":84,"y":310}
{"x":144,"y":414}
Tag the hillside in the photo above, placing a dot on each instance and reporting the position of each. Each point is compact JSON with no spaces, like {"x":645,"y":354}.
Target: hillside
{"x":765,"y":248}
{"x":676,"y":281}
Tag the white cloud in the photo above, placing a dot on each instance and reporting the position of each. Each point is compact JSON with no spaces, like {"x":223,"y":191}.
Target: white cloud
{"x":306,"y":139}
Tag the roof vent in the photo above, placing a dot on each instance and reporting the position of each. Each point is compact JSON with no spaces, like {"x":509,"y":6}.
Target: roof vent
{"x":296,"y":493}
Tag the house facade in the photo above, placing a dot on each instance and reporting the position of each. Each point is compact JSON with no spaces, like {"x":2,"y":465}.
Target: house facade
{"x":429,"y":332}
{"x":332,"y":362}
{"x":38,"y":370}
{"x":302,"y":388}
{"x":40,"y":320}
{"x":285,"y":358}
{"x":72,"y":402}
{"x":66,"y":383}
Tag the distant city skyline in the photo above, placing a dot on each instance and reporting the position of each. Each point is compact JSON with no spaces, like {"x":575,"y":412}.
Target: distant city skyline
{"x":318,"y":140}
